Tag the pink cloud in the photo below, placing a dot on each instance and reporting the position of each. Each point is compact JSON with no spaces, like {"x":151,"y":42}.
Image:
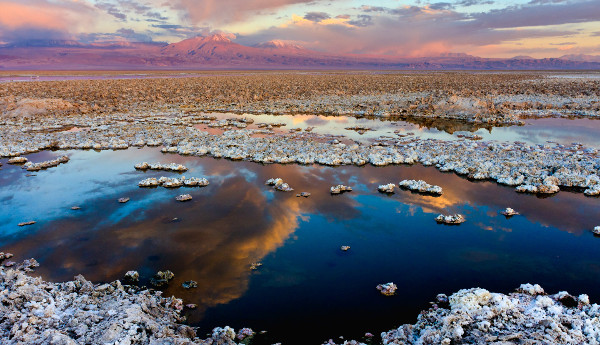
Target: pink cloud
{"x":41,"y":17}
{"x":227,"y":11}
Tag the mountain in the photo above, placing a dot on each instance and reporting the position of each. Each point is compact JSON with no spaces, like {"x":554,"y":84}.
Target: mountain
{"x":582,"y":57}
{"x":220,"y":51}
{"x":522,"y":57}
{"x":34,"y":43}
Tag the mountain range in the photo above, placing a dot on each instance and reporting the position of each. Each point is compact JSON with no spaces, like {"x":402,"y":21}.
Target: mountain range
{"x":219,"y":51}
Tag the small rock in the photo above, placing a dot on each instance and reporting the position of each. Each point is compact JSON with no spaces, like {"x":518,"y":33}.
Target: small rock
{"x":255,"y":265}
{"x":162,"y":278}
{"x":303,"y":194}
{"x":509,"y":212}
{"x":27,"y":223}
{"x":279,"y":185}
{"x":17,"y":160}
{"x":189,"y":284}
{"x":345,"y":248}
{"x":123,"y":200}
{"x":339,"y":189}
{"x":386,"y":188}
{"x":183,"y":197}
{"x":421,"y":187}
{"x":75,"y":208}
{"x":132,"y":276}
{"x":387,"y":289}
{"x":451,"y":219}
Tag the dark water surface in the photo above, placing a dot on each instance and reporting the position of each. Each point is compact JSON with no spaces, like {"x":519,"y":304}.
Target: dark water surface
{"x":307,"y":290}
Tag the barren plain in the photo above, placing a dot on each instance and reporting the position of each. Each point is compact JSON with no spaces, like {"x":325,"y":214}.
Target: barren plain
{"x":387,"y":119}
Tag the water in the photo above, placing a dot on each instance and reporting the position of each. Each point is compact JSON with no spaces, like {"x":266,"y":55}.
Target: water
{"x":535,"y":131}
{"x":100,"y":76}
{"x":307,"y":290}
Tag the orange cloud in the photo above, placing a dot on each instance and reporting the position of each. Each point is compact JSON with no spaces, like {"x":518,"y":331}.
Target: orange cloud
{"x":39,"y":19}
{"x":13,"y":15}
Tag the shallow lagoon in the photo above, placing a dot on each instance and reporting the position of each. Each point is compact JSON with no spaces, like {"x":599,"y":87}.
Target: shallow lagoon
{"x":564,"y":131}
{"x":307,"y":286}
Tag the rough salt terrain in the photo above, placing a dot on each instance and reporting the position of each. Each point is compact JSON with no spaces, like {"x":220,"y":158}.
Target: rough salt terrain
{"x":166,"y":113}
{"x":478,"y":316}
{"x":117,"y":114}
{"x":78,"y":311}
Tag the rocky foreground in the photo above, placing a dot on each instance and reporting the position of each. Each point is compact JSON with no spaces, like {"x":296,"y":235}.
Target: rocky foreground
{"x":33,"y":311}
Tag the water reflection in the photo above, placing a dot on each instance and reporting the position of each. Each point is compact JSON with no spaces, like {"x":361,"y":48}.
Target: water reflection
{"x":535,"y":131}
{"x":306,"y":281}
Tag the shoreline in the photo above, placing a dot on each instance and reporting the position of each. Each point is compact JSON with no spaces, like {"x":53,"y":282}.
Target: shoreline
{"x":79,"y":311}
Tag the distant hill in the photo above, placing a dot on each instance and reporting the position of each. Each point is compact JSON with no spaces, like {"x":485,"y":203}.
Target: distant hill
{"x":220,"y":51}
{"x":582,"y":57}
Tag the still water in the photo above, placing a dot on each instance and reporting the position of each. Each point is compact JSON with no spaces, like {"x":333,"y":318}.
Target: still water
{"x":307,"y":290}
{"x":564,"y":131}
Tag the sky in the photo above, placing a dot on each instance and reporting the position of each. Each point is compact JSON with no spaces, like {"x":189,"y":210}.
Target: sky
{"x":487,"y":28}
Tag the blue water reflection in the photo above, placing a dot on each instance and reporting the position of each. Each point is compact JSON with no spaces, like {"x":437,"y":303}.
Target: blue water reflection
{"x":306,"y":282}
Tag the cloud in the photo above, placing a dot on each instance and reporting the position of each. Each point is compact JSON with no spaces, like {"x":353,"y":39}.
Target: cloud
{"x":362,"y":20}
{"x":467,"y":3}
{"x":227,"y":11}
{"x":441,"y":6}
{"x":408,"y":31}
{"x":540,"y":15}
{"x":112,"y":9}
{"x":121,"y":35}
{"x":563,"y":44}
{"x":42,"y":19}
{"x":316,"y":16}
{"x":366,"y":8}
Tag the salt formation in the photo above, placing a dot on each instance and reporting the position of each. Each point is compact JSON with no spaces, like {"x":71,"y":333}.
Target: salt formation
{"x":279,"y":184}
{"x":27,"y":223}
{"x":421,"y":186}
{"x":592,"y":191}
{"x":189,"y":284}
{"x":508,"y":212}
{"x":162,"y":278}
{"x":80,"y":312}
{"x":477,"y":316}
{"x":183,"y":197}
{"x":339,"y":189}
{"x":44,"y":165}
{"x":17,"y":160}
{"x":123,"y":200}
{"x":255,"y":265}
{"x":131,"y":277}
{"x":173,"y":182}
{"x":387,"y":289}
{"x":450,"y":219}
{"x":345,"y":248}
{"x":386,"y":188}
{"x":513,"y":164}
{"x":303,"y":194}
{"x":538,"y":189}
{"x":159,"y":166}
{"x":596,"y":230}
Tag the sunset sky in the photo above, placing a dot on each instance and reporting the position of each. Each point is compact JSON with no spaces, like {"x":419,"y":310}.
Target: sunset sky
{"x":488,"y":28}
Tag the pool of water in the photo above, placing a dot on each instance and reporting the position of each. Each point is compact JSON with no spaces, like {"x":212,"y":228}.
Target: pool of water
{"x":47,"y":77}
{"x":307,"y":289}
{"x":535,"y":131}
